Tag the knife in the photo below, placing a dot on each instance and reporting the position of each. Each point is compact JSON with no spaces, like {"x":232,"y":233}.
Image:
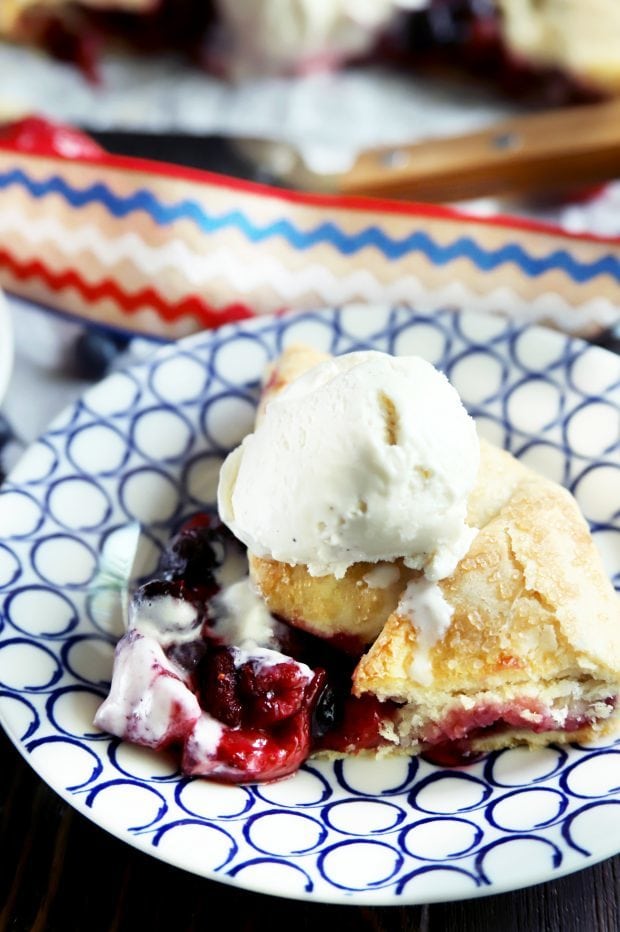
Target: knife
{"x":534,"y":154}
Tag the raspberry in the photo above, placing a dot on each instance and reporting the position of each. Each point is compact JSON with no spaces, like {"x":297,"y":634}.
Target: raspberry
{"x":271,"y":693}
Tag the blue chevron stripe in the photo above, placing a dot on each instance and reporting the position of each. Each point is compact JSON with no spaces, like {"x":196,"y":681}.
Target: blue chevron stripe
{"x":345,"y":243}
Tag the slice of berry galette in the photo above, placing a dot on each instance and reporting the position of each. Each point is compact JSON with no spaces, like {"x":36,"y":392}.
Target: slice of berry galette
{"x":412,"y":590}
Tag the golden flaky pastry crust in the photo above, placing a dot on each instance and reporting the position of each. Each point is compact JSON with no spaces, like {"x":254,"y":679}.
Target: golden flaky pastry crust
{"x":531,"y":602}
{"x":329,"y":607}
{"x":14,"y":12}
{"x":535,"y":625}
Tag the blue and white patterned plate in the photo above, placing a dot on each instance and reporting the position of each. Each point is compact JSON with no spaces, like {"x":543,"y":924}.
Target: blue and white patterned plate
{"x":145,"y":446}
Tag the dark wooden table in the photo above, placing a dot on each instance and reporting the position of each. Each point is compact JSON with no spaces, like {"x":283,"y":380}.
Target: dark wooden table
{"x":61,"y":873}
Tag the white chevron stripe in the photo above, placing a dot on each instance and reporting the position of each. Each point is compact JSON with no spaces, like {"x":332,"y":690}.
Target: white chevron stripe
{"x":547,"y":307}
{"x":313,"y":282}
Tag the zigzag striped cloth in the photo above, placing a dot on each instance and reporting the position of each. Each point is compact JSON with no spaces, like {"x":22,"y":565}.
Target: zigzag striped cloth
{"x":168,"y":251}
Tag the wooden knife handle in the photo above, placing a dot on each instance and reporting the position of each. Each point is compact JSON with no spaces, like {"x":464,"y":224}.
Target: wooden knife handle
{"x":540,"y":152}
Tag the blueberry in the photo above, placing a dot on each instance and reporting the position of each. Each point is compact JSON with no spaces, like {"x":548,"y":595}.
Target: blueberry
{"x":609,"y":339}
{"x":329,"y":708}
{"x":94,"y":351}
{"x":444,"y":25}
{"x":7,"y":438}
{"x":187,"y":655}
{"x":447,"y":24}
{"x":196,"y":551}
{"x":197,"y":595}
{"x":158,"y":589}
{"x":6,"y":432}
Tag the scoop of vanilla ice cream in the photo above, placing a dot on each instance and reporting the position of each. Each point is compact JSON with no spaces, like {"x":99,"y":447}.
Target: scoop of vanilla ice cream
{"x":366,"y":457}
{"x":272,"y":35}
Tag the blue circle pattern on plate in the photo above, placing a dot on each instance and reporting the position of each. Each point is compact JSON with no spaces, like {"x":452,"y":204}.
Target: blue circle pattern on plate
{"x":403,"y":830}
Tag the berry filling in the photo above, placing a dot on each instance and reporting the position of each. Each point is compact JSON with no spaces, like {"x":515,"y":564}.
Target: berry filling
{"x":358,"y":726}
{"x":460,"y":724}
{"x":466,"y":34}
{"x":266,"y":730}
{"x":79,"y":36}
{"x":450,"y":741}
{"x":236,"y":713}
{"x":246,"y":698}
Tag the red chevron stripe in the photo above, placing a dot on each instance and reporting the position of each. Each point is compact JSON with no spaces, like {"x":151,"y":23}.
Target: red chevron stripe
{"x":192,"y":305}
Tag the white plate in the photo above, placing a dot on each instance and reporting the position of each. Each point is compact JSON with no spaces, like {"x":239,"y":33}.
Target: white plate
{"x":145,"y":446}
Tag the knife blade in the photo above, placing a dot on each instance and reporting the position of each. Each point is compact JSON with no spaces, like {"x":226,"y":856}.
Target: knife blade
{"x":210,"y":152}
{"x":541,"y":152}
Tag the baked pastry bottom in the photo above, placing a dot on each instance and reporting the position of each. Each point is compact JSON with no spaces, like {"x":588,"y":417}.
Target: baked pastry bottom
{"x":455,"y":726}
